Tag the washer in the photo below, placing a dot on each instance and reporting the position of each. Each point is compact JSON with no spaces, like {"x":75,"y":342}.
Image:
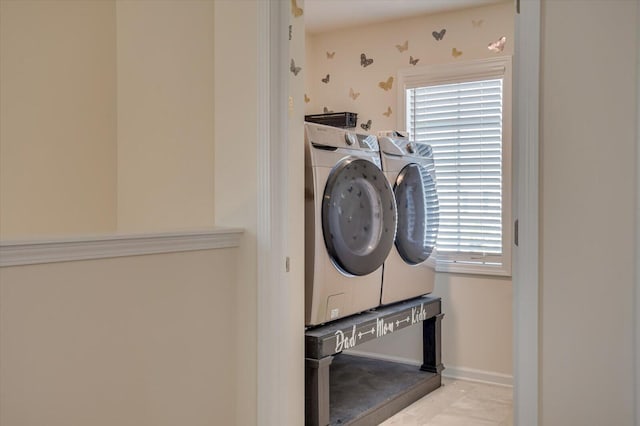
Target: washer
{"x":409,"y":270}
{"x":350,"y":222}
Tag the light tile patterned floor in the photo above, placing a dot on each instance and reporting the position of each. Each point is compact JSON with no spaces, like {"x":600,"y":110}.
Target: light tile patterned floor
{"x":459,"y":403}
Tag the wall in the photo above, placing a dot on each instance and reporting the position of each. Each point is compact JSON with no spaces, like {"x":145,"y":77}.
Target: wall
{"x":469,"y":31}
{"x":57,"y":118}
{"x":588,"y":192}
{"x":106,"y":116}
{"x":141,"y":340}
{"x":107,"y":113}
{"x":236,"y":186}
{"x":165,"y":57}
{"x":477,"y":327}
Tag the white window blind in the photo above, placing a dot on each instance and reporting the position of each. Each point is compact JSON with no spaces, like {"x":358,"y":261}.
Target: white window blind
{"x":463,"y":123}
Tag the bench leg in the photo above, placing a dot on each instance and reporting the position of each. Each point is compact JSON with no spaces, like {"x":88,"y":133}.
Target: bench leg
{"x":317,"y":391}
{"x":431,"y":345}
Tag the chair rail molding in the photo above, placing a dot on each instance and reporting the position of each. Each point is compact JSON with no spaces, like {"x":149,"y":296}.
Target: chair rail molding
{"x":31,"y":252}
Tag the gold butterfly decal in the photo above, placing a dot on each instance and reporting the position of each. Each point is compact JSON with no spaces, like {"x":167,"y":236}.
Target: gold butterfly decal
{"x":367,"y":125}
{"x":295,"y":10}
{"x":364,"y":61}
{"x":386,"y":85}
{"x":327,"y":110}
{"x":388,"y":113}
{"x":295,"y":70}
{"x":306,"y":99}
{"x":455,"y":52}
{"x":402,"y":47}
{"x":326,"y":79}
{"x":330,"y":55}
{"x":439,"y":35}
{"x":353,"y":95}
{"x":413,"y":61}
{"x":477,"y":23}
{"x":498,"y":46}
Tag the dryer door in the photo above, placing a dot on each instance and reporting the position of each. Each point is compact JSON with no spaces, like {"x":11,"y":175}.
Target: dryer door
{"x":418,"y":214}
{"x":358,"y":216}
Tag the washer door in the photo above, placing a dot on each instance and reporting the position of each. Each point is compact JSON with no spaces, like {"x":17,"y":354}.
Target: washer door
{"x":358,"y":216}
{"x":418,"y":214}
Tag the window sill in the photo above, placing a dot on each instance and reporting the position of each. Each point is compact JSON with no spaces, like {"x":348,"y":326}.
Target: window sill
{"x":474,"y":269}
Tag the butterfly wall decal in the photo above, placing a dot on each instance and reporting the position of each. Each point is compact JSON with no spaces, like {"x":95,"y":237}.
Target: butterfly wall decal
{"x":306,"y":99}
{"x":364,"y":61}
{"x":413,"y":61}
{"x":290,"y":32}
{"x":326,"y":79}
{"x":402,"y":47}
{"x":353,"y":95}
{"x":477,"y":23}
{"x":498,"y":45}
{"x":366,"y":126}
{"x":388,"y":112}
{"x":439,"y":35}
{"x":386,"y":85}
{"x":330,"y":55}
{"x":327,"y":110}
{"x":456,"y":53}
{"x":295,"y":70}
{"x":295,"y":10}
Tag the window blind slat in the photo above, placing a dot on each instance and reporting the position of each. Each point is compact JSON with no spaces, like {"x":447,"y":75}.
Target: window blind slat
{"x":463,"y":124}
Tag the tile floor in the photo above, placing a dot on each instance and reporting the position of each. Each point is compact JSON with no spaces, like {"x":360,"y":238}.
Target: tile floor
{"x":459,"y":403}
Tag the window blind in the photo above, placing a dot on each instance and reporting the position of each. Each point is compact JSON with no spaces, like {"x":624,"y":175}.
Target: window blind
{"x":463,"y":124}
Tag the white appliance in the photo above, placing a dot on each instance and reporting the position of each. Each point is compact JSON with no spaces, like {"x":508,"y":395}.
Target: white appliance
{"x":409,"y":270}
{"x":350,"y":222}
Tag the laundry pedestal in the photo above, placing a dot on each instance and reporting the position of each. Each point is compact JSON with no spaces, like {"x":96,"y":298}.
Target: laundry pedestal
{"x":351,"y":390}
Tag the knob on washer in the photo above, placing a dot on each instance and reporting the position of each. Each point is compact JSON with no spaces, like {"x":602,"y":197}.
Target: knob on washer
{"x":349,"y":139}
{"x":411,"y":148}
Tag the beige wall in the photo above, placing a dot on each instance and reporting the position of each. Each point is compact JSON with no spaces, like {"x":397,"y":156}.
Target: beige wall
{"x":57,"y":118}
{"x":477,"y":327}
{"x":236,"y":186}
{"x":106,"y":118}
{"x":378,"y":42}
{"x":145,"y":340}
{"x":588,"y":168}
{"x":165,"y":55}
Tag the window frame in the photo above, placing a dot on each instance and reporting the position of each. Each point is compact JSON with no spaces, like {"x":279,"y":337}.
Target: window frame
{"x":458,"y":72}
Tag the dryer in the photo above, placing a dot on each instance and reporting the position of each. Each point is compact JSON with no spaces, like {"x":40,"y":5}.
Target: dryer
{"x":409,"y":270}
{"x":350,"y":222}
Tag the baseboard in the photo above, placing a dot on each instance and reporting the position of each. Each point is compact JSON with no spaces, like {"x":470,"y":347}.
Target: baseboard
{"x":384,"y":357}
{"x":450,"y":372}
{"x":480,"y":376}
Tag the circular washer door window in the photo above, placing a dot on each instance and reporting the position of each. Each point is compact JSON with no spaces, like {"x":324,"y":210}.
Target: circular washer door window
{"x":358,"y":216}
{"x":418,"y":214}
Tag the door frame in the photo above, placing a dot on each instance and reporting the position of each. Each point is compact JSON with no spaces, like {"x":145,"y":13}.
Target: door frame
{"x":526,"y":335}
{"x":273,"y":294}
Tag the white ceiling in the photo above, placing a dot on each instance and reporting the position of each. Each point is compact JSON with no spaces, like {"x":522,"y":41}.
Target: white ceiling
{"x":327,"y":15}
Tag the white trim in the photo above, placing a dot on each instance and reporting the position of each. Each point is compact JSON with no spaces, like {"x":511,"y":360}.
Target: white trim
{"x":478,"y":376}
{"x":525,"y":277}
{"x":273,"y":292}
{"x":264,"y":357}
{"x":15,"y":253}
{"x":637,"y":248}
{"x":459,"y":373}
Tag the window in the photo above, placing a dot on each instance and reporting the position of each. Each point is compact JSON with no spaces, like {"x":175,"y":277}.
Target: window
{"x":464,"y":112}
